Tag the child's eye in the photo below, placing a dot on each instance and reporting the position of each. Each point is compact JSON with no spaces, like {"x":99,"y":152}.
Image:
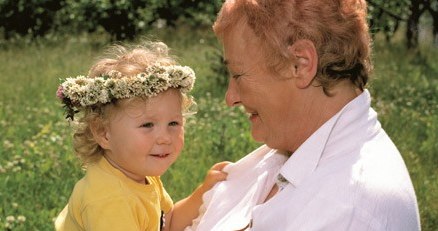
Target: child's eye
{"x":148,"y":125}
{"x":174,"y":123}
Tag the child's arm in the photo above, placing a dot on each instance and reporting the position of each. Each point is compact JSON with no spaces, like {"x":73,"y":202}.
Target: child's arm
{"x":187,"y":209}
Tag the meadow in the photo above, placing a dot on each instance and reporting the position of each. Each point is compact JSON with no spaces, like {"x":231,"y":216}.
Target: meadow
{"x":38,"y":168}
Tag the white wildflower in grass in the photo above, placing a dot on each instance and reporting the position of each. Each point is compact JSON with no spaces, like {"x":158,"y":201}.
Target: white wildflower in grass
{"x":21,"y":219}
{"x":14,"y":205}
{"x":7,"y":144}
{"x":53,"y":138}
{"x":10,"y":219}
{"x":9,"y":165}
{"x":2,"y":170}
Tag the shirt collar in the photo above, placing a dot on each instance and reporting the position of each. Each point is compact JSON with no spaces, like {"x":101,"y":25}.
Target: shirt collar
{"x":306,"y":158}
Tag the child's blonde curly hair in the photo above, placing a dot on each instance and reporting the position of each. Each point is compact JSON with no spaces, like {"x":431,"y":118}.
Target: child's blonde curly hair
{"x":129,"y":61}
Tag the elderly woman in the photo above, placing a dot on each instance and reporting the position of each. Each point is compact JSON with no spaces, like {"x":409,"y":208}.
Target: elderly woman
{"x":300,"y":68}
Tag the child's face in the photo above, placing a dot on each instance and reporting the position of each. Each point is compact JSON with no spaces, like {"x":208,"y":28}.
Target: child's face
{"x":145,"y":137}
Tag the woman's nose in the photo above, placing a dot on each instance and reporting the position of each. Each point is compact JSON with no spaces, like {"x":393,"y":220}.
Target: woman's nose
{"x":232,"y":96}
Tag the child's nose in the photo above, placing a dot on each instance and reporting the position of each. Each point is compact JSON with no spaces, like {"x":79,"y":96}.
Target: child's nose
{"x":164,"y":137}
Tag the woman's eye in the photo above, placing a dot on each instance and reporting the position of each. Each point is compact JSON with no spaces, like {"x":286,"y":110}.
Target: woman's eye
{"x":148,"y":125}
{"x":174,"y":123}
{"x":236,"y":76}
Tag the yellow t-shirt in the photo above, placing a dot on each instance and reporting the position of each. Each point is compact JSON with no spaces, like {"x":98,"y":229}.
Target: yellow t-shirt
{"x":105,"y":199}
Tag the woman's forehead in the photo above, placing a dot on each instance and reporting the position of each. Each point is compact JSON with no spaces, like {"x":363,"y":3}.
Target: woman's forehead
{"x":242,"y":50}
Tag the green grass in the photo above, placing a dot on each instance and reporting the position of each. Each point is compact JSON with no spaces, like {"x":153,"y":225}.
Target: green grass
{"x":405,"y":91}
{"x":38,"y":169}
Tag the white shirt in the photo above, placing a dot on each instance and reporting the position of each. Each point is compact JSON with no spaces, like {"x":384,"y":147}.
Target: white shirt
{"x":348,"y":175}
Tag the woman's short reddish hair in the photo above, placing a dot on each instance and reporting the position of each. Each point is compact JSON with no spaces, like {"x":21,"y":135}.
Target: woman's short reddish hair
{"x":338,"y":29}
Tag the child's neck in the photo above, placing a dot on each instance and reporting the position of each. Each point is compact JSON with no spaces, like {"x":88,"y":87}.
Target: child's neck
{"x":130,"y":175}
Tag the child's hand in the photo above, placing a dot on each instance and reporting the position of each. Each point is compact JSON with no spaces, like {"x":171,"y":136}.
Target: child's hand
{"x":214,"y":175}
{"x":187,"y":209}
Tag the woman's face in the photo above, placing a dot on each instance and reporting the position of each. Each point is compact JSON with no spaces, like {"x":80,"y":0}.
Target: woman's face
{"x":271,"y":101}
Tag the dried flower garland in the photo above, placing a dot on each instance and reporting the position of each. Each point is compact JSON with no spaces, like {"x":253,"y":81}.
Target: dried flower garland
{"x":82,"y":91}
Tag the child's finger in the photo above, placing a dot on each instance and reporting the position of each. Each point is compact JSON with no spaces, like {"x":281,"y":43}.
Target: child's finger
{"x":219,"y":166}
{"x":218,"y":175}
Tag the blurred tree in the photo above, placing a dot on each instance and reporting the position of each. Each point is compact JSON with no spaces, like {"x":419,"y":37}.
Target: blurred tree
{"x":416,"y":9}
{"x":433,"y":10}
{"x":24,"y":17}
{"x":122,"y":19}
{"x":195,"y":13}
{"x":386,"y":16}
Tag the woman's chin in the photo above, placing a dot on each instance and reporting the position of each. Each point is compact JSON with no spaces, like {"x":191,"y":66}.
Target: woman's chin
{"x":257,"y":136}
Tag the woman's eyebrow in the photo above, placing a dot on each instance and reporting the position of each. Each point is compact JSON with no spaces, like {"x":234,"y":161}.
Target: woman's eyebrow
{"x":228,"y":62}
{"x":225,"y":62}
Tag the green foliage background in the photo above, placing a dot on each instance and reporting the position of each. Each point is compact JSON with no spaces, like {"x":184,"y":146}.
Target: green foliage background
{"x":121,"y":19}
{"x":38,"y":169}
{"x":124,"y":19}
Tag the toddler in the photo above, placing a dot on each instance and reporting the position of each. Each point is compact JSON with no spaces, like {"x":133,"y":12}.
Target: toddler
{"x":129,"y":114}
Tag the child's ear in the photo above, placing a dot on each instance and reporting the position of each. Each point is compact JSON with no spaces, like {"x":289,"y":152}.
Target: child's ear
{"x":100,"y":133}
{"x":305,"y":61}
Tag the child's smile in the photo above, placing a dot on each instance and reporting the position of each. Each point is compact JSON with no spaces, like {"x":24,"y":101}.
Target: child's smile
{"x":161,"y":156}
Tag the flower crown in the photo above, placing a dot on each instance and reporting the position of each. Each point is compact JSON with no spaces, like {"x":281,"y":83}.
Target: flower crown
{"x":82,"y":91}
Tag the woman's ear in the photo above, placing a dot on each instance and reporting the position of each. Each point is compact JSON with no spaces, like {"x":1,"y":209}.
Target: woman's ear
{"x":305,"y":61}
{"x":100,"y":133}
